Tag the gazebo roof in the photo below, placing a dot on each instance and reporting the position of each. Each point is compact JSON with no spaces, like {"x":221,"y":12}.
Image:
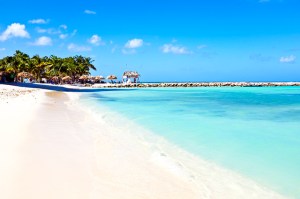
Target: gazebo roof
{"x":132,"y":74}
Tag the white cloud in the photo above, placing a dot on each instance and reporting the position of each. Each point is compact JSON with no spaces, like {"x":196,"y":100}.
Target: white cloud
{"x":170,"y":48}
{"x":128,"y":51}
{"x":75,"y":48}
{"x":43,"y":41}
{"x":96,"y":40}
{"x":2,"y":49}
{"x":260,"y":57}
{"x":134,"y":43}
{"x":74,"y":33}
{"x":51,"y":31}
{"x":113,"y":50}
{"x":63,"y":36}
{"x":41,"y":30}
{"x":288,"y":59}
{"x":38,"y":21}
{"x":90,"y":12}
{"x":63,"y":26}
{"x":201,"y":46}
{"x":14,"y":30}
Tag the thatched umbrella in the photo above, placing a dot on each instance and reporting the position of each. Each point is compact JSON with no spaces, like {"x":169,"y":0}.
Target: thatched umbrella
{"x":98,"y":79}
{"x":24,"y":75}
{"x":66,"y":78}
{"x":111,"y":77}
{"x":54,"y":78}
{"x":84,"y":77}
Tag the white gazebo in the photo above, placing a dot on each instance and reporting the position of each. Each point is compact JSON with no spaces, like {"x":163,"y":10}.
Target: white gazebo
{"x":128,"y":75}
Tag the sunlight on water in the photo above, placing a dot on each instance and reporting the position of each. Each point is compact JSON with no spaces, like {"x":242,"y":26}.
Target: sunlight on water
{"x":255,"y":131}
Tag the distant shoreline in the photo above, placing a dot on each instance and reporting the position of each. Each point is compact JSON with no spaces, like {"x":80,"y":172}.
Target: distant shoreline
{"x":197,"y":84}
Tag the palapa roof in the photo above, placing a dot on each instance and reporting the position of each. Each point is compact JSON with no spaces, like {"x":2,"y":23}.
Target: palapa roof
{"x":99,"y":77}
{"x":54,"y":78}
{"x":66,"y":78}
{"x":25,"y":75}
{"x":84,"y":77}
{"x":111,"y":77}
{"x":131,"y":74}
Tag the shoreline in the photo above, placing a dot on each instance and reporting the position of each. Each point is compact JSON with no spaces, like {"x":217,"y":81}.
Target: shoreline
{"x":213,"y":180}
{"x":70,"y":150}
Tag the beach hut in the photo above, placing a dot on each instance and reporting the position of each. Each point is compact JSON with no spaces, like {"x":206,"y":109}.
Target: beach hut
{"x":128,"y":75}
{"x":111,"y":77}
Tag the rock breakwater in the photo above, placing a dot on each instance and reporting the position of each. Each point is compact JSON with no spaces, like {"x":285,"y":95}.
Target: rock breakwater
{"x":198,"y":84}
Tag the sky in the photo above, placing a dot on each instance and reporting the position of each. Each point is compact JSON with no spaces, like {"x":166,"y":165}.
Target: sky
{"x":164,"y":40}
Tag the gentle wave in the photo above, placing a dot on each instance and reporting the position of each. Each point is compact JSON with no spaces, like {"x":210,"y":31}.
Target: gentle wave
{"x":254,"y":131}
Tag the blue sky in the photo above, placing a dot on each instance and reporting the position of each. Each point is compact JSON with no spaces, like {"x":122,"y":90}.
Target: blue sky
{"x":169,"y":40}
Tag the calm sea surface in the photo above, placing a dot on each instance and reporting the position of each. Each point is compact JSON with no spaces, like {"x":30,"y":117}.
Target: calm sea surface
{"x":254,"y":131}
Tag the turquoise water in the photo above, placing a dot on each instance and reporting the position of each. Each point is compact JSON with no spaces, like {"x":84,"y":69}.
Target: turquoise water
{"x":254,"y":131}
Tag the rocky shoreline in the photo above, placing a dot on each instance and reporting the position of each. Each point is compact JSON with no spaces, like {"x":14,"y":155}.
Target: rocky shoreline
{"x":199,"y":84}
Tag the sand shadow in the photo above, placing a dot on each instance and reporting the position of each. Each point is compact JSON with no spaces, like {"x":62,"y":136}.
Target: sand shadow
{"x":62,"y":88}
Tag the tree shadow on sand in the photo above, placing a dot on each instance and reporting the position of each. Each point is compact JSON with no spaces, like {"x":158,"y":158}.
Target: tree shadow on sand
{"x":62,"y":88}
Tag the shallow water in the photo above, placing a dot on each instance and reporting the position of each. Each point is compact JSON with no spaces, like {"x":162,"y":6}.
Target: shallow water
{"x":254,"y":131}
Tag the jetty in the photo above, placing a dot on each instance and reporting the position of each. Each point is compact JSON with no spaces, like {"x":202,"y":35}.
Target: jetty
{"x":196,"y":84}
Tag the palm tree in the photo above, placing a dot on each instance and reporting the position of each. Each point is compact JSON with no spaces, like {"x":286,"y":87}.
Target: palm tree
{"x":39,"y":66}
{"x":12,"y":65}
{"x":21,"y":61}
{"x":9,"y":67}
{"x":88,"y":63}
{"x":46,"y":66}
{"x":56,"y":66}
{"x":84,"y":64}
{"x":71,"y":67}
{"x":3,"y":64}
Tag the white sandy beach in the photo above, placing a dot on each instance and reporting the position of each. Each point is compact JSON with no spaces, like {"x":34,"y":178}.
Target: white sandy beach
{"x":51,"y":147}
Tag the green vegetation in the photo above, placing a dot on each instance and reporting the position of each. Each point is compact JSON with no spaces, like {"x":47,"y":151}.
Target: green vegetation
{"x":45,"y":67}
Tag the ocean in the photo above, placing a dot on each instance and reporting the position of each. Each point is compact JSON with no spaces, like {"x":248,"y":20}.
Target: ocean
{"x":254,"y":131}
